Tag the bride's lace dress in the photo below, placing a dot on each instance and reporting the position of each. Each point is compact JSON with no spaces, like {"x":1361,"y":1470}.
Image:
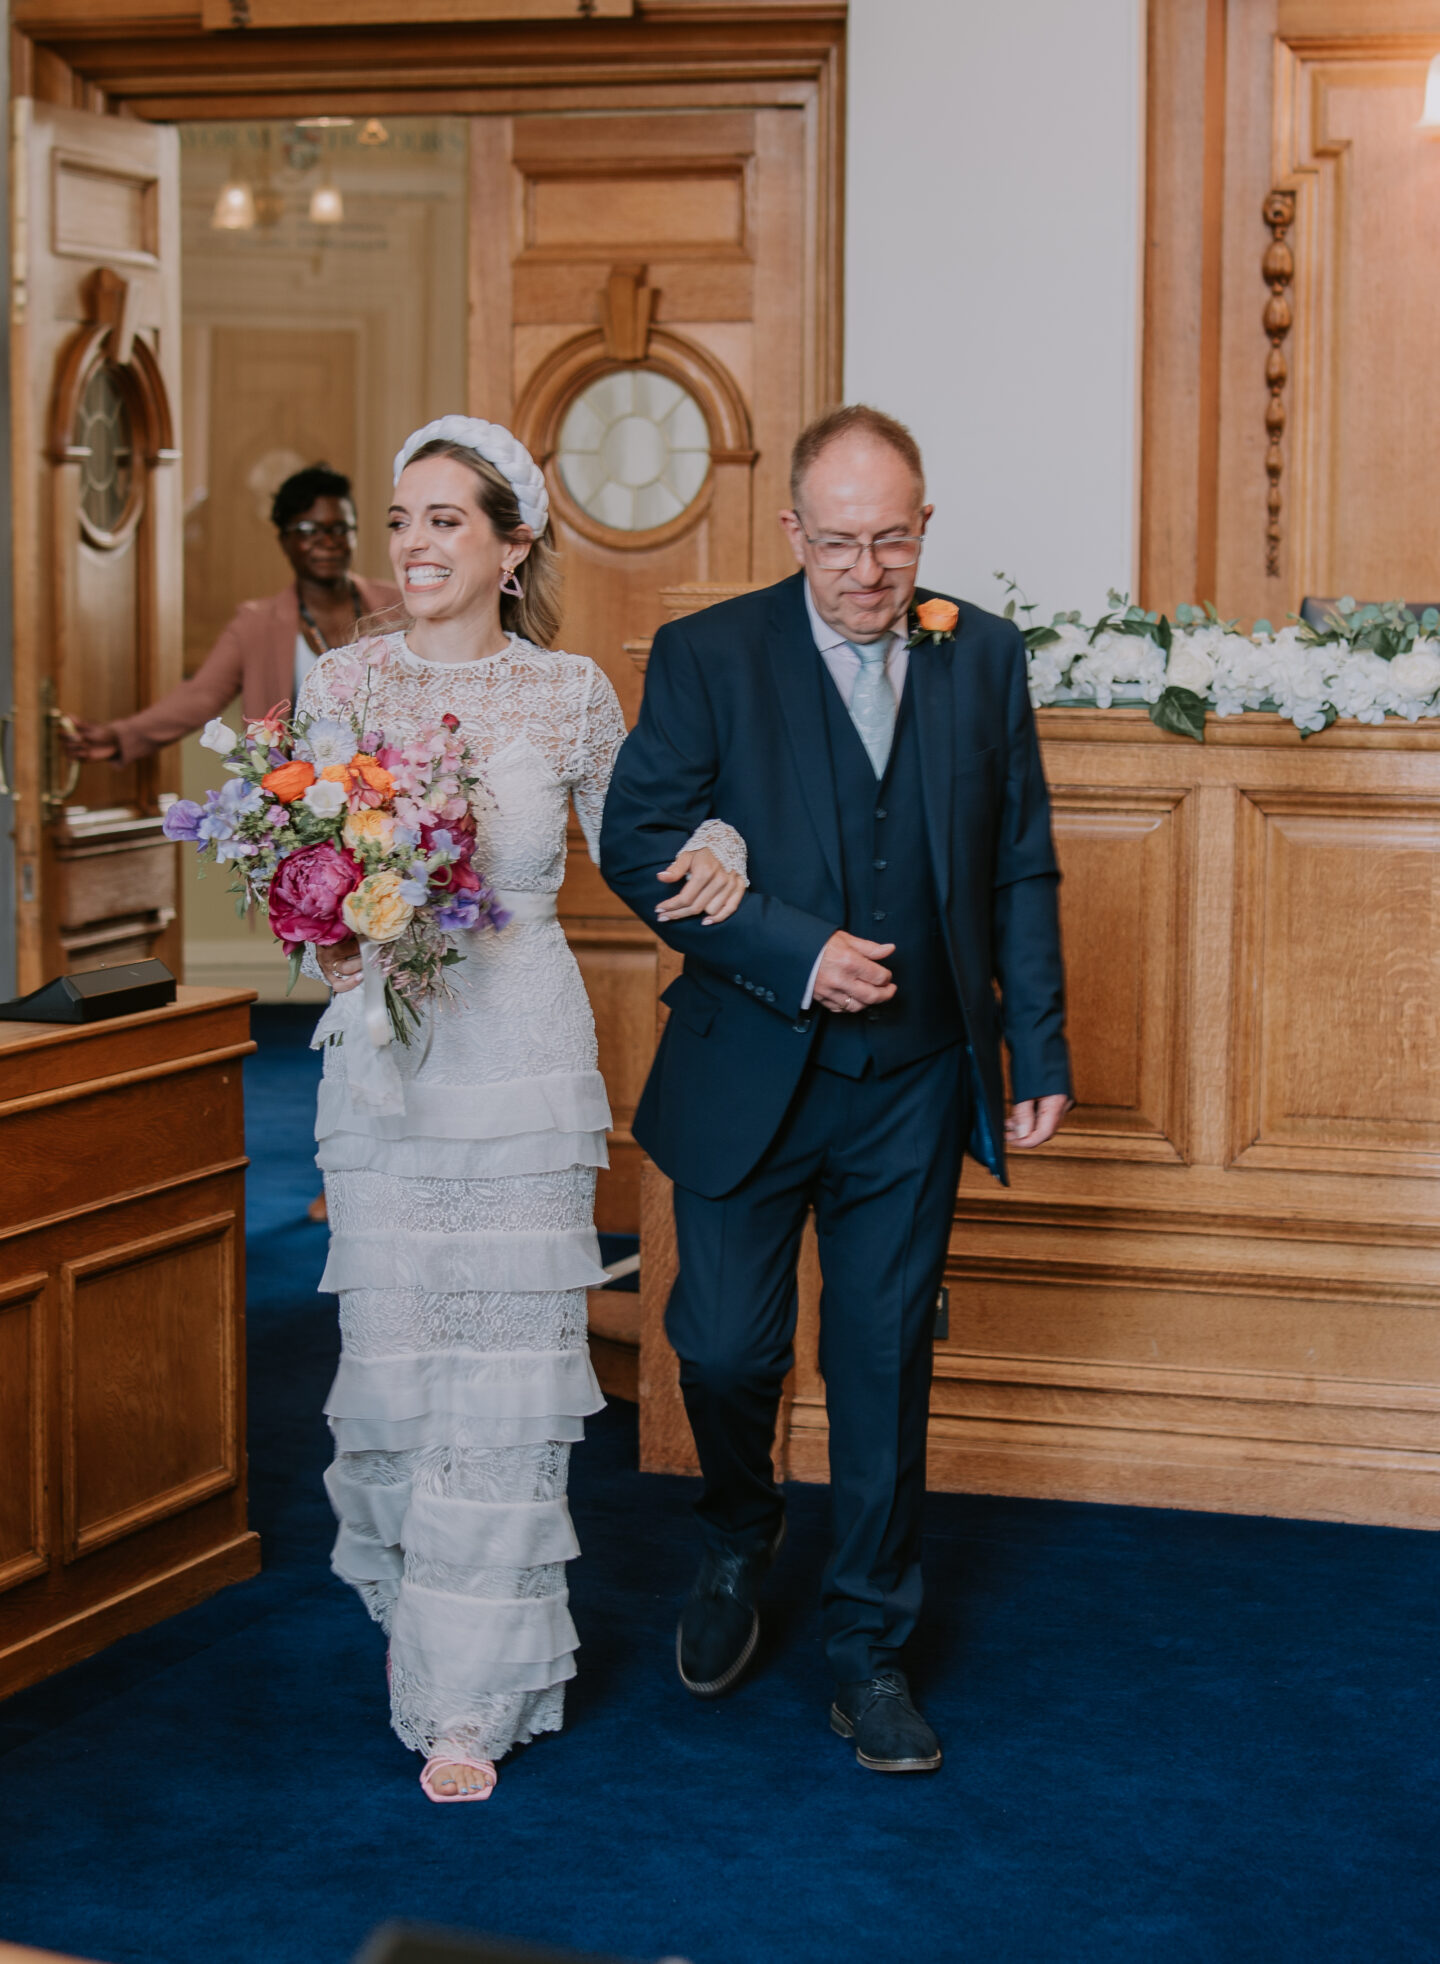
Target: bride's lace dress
{"x":462,"y":1237}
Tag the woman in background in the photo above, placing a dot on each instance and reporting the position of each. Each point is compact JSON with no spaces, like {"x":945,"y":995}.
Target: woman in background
{"x":269,"y":647}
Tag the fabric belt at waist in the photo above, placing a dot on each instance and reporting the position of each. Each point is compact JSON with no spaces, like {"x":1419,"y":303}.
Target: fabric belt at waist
{"x":526,"y":907}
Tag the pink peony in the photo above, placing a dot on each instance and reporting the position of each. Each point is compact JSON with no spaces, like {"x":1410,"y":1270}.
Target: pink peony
{"x":308,"y":892}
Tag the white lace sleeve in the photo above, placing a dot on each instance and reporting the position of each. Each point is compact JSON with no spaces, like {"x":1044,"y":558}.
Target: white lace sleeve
{"x":726,"y":844}
{"x":600,"y":741}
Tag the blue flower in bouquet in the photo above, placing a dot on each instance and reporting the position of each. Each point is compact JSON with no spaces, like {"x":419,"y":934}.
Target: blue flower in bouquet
{"x":461,"y":910}
{"x":416,"y":890}
{"x":224,"y":809}
{"x":182,"y":821}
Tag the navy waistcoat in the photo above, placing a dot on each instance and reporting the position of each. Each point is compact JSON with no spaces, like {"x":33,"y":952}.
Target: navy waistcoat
{"x":889,"y":896}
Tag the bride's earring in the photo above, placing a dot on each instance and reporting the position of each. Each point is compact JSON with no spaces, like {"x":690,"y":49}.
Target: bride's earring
{"x":511,"y":585}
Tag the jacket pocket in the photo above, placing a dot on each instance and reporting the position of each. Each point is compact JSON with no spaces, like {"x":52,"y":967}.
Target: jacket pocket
{"x":689,"y":1005}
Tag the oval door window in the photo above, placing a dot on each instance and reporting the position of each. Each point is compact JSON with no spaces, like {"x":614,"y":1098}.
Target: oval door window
{"x":634,"y":450}
{"x":105,"y":429}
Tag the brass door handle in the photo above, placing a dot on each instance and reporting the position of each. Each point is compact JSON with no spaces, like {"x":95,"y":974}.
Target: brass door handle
{"x":60,"y":774}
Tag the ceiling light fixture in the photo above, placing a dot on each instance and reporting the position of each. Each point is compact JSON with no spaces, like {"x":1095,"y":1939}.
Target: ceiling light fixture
{"x":373,"y":132}
{"x":324,"y":122}
{"x":234,"y":208}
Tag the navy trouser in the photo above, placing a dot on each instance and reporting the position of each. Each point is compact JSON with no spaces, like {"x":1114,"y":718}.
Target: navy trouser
{"x":878,"y":1159}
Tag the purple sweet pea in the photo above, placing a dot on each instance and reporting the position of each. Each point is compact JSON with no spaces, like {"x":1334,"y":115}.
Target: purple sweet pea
{"x":182,"y":821}
{"x":460,"y":912}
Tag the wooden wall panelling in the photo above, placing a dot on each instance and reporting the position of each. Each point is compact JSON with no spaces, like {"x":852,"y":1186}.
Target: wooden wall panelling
{"x":1336,"y":907}
{"x":1318,"y":103}
{"x":1125,"y":859}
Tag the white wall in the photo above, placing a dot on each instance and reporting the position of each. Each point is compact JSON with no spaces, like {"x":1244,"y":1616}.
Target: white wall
{"x":993,"y":221}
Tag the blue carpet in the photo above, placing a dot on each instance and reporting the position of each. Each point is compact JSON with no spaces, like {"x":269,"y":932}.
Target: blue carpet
{"x":1169,"y":1735}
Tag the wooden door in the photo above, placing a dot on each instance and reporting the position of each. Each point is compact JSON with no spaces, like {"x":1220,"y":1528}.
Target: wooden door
{"x":97,"y":600}
{"x":645,"y":297}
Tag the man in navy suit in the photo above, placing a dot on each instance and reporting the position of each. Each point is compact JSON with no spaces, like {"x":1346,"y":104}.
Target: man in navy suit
{"x":836,"y":1041}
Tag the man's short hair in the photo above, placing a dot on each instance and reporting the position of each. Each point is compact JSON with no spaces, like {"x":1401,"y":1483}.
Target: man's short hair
{"x":299,"y":492}
{"x":852,"y":419}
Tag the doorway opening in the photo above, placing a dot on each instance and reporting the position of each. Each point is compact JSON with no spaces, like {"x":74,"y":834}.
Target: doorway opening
{"x":324,"y":310}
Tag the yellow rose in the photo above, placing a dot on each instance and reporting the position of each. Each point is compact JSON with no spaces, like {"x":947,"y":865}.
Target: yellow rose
{"x":370,"y":827}
{"x":376,"y":909}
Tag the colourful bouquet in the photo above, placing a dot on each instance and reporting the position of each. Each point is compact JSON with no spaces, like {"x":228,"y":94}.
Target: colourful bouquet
{"x":335,"y":830}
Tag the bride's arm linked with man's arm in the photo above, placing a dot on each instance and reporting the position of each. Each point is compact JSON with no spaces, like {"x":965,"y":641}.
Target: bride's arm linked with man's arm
{"x":661,"y":793}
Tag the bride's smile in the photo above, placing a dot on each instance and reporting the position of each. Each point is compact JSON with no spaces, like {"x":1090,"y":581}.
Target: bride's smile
{"x":450,"y":560}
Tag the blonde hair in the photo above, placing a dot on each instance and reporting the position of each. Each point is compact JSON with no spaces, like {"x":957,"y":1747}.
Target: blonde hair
{"x":535,"y":615}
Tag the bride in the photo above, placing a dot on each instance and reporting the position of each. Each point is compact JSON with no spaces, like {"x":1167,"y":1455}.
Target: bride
{"x":462,"y":1237}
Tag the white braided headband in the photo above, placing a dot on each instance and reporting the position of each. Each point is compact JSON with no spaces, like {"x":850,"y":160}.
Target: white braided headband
{"x":497,"y":446}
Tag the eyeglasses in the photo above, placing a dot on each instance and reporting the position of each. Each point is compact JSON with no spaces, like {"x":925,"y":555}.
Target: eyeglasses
{"x":307,"y":529}
{"x":839,"y":555}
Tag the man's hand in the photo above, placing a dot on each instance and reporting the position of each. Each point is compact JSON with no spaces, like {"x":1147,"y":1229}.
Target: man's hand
{"x":340,"y":964}
{"x":92,"y":743}
{"x":710,"y":890}
{"x":1034,"y":1120}
{"x":850,"y":976}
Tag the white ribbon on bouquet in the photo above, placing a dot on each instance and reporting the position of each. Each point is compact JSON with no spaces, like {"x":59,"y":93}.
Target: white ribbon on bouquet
{"x":359,"y":1020}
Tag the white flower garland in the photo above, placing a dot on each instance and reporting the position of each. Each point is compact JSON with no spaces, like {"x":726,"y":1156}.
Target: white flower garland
{"x":1366,"y":662}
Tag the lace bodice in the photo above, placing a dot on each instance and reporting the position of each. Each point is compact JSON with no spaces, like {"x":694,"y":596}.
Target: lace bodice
{"x":545,"y":728}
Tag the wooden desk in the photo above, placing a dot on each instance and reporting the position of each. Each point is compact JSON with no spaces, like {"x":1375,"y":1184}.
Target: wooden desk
{"x":122,"y":1308}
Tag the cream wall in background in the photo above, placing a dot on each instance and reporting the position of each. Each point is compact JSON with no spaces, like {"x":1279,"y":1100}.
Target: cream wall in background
{"x":993,"y":213}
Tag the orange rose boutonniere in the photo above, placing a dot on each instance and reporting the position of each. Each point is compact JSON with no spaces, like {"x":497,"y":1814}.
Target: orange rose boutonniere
{"x":933,"y":620}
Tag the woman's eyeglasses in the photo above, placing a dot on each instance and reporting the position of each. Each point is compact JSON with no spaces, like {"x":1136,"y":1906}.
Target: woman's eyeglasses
{"x":307,"y":529}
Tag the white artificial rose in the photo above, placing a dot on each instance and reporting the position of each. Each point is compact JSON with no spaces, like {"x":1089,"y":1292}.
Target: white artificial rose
{"x":1189,"y":669}
{"x":219,"y":737}
{"x":1416,"y":674}
{"x":325,"y":798}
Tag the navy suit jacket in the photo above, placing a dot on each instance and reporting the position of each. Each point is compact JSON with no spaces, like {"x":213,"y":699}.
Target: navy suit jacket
{"x":733,"y":727}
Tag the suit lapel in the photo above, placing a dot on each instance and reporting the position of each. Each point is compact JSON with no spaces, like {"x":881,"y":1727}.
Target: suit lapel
{"x":795,"y":666}
{"x":930,"y":678}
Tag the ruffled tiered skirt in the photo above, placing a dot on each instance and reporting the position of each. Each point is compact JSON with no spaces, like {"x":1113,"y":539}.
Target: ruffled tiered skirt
{"x":462,"y":1246}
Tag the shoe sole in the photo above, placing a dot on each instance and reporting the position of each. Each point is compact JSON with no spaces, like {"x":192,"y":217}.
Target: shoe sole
{"x":718,"y":1686}
{"x":841,"y":1725}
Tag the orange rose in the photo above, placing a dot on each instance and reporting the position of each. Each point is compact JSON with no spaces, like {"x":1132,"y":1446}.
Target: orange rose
{"x":937,"y":616}
{"x":289,"y":781}
{"x":364,"y":767}
{"x":337,"y":774}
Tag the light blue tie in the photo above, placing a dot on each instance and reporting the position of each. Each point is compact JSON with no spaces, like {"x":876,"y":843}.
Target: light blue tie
{"x":872,"y":703}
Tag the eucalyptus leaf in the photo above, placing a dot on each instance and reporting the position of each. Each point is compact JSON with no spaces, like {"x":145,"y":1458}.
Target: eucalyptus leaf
{"x":1181,"y":712}
{"x":1009,"y":610}
{"x":297,"y":957}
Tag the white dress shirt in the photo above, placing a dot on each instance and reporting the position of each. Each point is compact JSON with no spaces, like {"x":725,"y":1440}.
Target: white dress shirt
{"x":844,"y":666}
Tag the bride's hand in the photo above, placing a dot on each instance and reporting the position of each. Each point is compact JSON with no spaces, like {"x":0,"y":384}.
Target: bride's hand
{"x":710,"y":890}
{"x":340,"y":964}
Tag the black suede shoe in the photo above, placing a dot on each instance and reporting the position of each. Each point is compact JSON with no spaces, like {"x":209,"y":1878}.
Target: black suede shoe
{"x":890,"y":1735}
{"x":720,"y":1625}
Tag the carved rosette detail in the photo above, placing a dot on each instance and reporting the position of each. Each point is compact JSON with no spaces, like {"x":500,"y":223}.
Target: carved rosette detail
{"x":1278,"y":267}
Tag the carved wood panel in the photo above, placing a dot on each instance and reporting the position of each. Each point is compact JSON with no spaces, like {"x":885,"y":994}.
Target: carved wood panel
{"x":24,"y":1547}
{"x":1124,"y":901}
{"x":148,"y":1380}
{"x":1336,"y":907}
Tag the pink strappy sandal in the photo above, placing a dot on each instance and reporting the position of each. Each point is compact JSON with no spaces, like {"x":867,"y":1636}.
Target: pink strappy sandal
{"x":458,"y":1759}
